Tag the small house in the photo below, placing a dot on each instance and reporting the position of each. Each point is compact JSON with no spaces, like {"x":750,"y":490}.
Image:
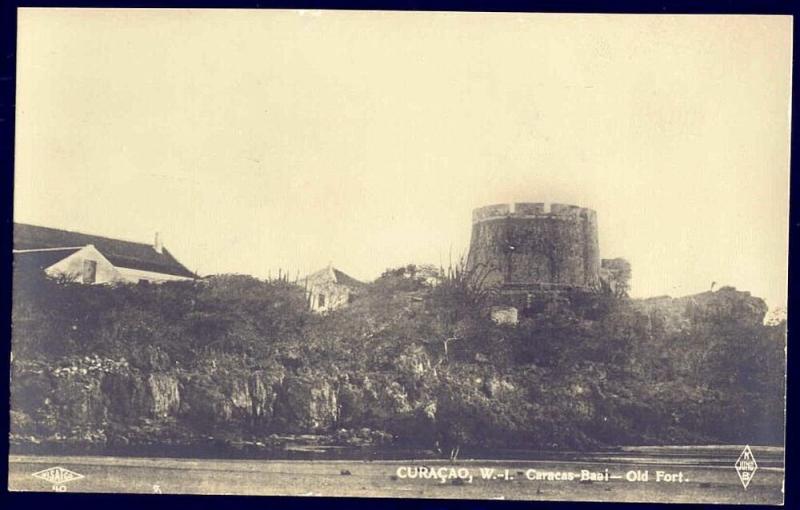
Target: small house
{"x":92,"y":259}
{"x":329,"y":289}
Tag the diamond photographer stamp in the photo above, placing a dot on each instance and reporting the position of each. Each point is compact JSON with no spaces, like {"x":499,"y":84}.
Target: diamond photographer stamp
{"x":746,"y":466}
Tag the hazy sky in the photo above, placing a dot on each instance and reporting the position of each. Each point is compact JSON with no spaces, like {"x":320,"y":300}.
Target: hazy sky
{"x":258,"y":140}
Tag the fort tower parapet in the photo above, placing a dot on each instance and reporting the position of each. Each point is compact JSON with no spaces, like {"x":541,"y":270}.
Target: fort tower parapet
{"x":535,"y":245}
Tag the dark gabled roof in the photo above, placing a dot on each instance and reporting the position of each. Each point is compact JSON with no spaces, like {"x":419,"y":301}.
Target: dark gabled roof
{"x":41,"y":259}
{"x":127,"y":254}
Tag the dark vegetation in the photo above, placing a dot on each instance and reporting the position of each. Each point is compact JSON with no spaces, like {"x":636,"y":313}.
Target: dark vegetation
{"x":233,"y":358}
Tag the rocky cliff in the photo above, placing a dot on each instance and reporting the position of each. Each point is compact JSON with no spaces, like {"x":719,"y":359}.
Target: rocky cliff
{"x":236,"y":360}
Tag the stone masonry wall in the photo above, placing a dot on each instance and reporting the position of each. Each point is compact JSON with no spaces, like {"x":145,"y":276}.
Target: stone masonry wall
{"x":530,"y":244}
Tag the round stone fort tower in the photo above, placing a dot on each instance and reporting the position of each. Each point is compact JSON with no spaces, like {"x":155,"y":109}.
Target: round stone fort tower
{"x":529,"y":246}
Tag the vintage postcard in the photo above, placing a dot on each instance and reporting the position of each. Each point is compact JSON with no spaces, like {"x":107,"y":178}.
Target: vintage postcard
{"x":401,"y":254}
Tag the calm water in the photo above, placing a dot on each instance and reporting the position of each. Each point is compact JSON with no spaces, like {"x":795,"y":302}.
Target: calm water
{"x":706,"y":455}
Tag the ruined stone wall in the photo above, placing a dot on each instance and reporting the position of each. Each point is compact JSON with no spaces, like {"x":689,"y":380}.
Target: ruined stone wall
{"x":533,"y":244}
{"x":326,"y":296}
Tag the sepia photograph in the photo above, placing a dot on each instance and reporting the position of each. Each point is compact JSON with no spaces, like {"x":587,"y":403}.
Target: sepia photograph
{"x":399,"y":254}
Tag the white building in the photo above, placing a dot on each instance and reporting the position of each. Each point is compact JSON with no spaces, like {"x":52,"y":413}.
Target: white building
{"x":93,"y":259}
